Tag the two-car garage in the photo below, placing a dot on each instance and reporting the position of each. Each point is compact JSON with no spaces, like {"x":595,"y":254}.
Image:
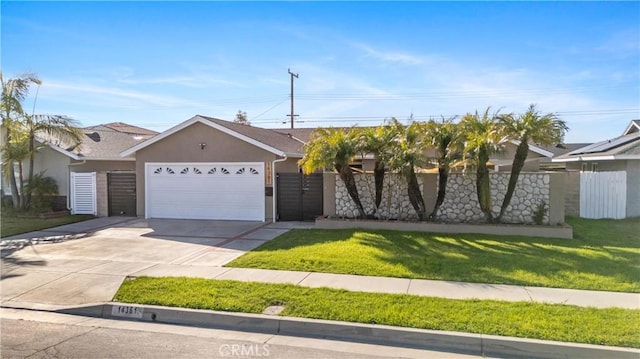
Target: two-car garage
{"x":224,"y":191}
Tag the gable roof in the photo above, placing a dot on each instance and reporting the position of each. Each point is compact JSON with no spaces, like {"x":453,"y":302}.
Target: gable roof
{"x":535,"y":148}
{"x":124,"y":128}
{"x":301,"y":134}
{"x":562,"y":148}
{"x":100,"y":142}
{"x":626,"y":147}
{"x":269,"y":140}
{"x":634,"y":126}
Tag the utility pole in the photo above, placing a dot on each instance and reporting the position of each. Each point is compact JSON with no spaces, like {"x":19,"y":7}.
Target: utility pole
{"x":292,"y":115}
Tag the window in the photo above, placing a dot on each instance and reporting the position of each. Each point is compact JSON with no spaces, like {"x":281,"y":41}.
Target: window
{"x":589,"y":167}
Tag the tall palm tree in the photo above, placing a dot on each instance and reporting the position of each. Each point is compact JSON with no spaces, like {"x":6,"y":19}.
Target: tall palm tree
{"x":21,"y":130}
{"x":334,"y":149}
{"x":408,"y":153}
{"x":14,"y":152}
{"x":482,"y":137}
{"x":377,"y":142}
{"x":446,"y":138}
{"x":52,"y":128}
{"x":532,"y":126}
{"x":14,"y":92}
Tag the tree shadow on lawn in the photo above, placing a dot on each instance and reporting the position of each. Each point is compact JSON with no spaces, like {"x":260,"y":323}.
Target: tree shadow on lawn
{"x":508,"y":260}
{"x":577,"y":263}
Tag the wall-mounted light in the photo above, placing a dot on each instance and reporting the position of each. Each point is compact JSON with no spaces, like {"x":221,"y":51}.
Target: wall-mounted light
{"x":203,"y":145}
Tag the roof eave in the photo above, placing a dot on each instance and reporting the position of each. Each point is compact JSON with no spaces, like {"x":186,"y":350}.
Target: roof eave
{"x":61,"y":150}
{"x":597,"y":158}
{"x":535,"y":149}
{"x":126,"y":159}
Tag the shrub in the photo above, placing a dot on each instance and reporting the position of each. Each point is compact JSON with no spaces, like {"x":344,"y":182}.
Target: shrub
{"x":540,"y":213}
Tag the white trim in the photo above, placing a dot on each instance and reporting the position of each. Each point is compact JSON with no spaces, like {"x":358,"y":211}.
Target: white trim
{"x":535,"y":149}
{"x":597,"y":158}
{"x":203,"y":121}
{"x":630,"y":126}
{"x":128,"y":159}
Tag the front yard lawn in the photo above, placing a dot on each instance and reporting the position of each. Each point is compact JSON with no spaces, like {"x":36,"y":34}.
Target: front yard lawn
{"x":613,"y":326}
{"x":12,"y":224}
{"x":604,"y":255}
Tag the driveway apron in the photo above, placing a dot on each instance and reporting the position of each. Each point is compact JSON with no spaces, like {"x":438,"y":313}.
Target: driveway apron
{"x":86,"y":262}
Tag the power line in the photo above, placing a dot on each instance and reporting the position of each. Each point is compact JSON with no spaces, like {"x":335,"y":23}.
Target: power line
{"x":269,"y":109}
{"x":427,"y":117}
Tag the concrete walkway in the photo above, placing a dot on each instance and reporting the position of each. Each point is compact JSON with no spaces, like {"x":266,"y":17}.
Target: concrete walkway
{"x":89,"y":268}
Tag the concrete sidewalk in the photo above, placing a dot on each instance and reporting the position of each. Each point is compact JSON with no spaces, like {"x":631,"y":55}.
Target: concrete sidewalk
{"x":420,"y":287}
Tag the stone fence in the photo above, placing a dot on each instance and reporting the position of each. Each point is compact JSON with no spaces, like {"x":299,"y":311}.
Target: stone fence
{"x":533,"y":189}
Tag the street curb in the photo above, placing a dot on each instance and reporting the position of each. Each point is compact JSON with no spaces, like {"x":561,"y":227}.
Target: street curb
{"x":456,"y":342}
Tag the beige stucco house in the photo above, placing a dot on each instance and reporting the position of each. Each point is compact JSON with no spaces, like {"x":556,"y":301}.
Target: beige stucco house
{"x":91,"y":178}
{"x":206,"y":168}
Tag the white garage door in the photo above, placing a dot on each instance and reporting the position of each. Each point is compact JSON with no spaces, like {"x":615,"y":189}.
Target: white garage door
{"x":228,"y":191}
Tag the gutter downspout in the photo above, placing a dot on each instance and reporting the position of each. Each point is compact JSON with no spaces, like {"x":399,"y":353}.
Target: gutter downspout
{"x":273,"y":183}
{"x":69,"y":181}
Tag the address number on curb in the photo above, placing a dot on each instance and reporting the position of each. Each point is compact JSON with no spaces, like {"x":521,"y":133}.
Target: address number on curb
{"x":127,"y":311}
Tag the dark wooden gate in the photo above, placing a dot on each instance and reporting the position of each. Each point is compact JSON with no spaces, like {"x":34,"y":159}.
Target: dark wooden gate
{"x":299,"y":196}
{"x":122,"y":193}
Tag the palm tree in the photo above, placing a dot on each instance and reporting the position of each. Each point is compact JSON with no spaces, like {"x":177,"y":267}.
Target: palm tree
{"x":482,"y":137}
{"x":377,"y":142}
{"x":14,"y":92}
{"x":21,"y":130}
{"x":532,"y":126}
{"x":14,"y":152}
{"x":334,"y":149}
{"x":446,"y":138}
{"x":52,"y":128}
{"x":408,"y":153}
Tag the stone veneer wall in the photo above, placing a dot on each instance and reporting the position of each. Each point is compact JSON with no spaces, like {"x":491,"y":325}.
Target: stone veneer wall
{"x":460,"y":204}
{"x":395,"y":207}
{"x":461,"y":201}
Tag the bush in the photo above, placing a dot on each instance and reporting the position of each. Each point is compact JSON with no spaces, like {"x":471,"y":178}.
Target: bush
{"x":540,"y":213}
{"x":41,"y":188}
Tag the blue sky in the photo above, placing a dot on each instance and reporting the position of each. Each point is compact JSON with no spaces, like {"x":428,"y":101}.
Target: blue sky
{"x":156,"y":64}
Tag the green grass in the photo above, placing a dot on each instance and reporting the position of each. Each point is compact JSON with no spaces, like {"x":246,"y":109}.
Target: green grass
{"x":613,"y":326}
{"x":10,"y":224}
{"x":604,"y":255}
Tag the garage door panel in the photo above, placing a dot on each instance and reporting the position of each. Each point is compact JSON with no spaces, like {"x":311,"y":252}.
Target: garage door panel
{"x":233,"y":191}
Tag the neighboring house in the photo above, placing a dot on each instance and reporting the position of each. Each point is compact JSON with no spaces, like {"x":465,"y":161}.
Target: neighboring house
{"x":503,"y":160}
{"x":92,"y":178}
{"x":559,"y":149}
{"x":620,"y":154}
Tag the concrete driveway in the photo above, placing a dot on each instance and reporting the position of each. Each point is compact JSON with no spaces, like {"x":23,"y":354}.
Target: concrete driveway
{"x":89,"y":266}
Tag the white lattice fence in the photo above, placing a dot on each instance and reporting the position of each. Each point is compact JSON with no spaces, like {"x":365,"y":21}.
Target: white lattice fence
{"x":603,"y":194}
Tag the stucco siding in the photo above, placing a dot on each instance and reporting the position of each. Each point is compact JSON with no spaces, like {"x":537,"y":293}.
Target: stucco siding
{"x":572,"y":194}
{"x":103,"y":166}
{"x":633,"y":188}
{"x":56,"y":165}
{"x":184,"y":146}
{"x":610,"y":166}
{"x":288,"y":166}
